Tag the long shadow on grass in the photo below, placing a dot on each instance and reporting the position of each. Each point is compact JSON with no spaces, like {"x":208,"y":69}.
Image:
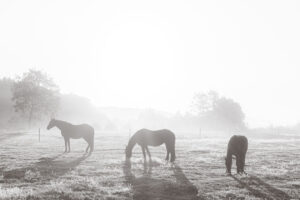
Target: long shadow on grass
{"x":146,"y":187}
{"x":45,"y":168}
{"x":262,"y":189}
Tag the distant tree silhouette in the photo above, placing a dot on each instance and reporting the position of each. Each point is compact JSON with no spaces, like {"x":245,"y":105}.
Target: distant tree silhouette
{"x":205,"y":102}
{"x":35,"y":95}
{"x":217,"y":112}
{"x":6,"y":105}
{"x":229,"y":113}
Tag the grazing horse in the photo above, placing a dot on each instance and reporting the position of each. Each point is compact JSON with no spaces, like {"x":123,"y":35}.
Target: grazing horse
{"x":145,"y":138}
{"x":237,"y":146}
{"x":68,"y":131}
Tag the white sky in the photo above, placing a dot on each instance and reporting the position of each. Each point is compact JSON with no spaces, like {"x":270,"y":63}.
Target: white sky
{"x":159,"y":53}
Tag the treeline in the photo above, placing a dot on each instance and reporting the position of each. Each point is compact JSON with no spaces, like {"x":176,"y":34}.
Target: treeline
{"x":31,"y":99}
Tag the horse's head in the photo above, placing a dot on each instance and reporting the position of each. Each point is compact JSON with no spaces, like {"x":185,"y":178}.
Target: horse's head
{"x":51,"y":124}
{"x":128,"y":152}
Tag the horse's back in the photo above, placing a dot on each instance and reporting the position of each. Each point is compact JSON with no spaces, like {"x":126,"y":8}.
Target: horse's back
{"x":81,"y":131}
{"x":155,"y":138}
{"x":85,"y":127}
{"x":238,"y":144}
{"x":165,"y":134}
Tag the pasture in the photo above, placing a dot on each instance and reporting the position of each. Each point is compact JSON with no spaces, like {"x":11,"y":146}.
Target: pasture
{"x":39,"y":170}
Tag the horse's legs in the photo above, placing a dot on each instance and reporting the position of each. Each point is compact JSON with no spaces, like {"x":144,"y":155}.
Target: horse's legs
{"x":168,"y":152}
{"x":167,"y":157}
{"x":172,"y":150}
{"x":66,"y":144}
{"x":148,"y":152}
{"x":69,"y":145}
{"x":243,"y":157}
{"x":228,"y":162}
{"x":238,"y":163}
{"x":87,"y":148}
{"x":144,"y":153}
{"x":90,"y":146}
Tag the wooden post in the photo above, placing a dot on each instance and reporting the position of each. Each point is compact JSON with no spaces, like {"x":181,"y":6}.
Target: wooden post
{"x":39,"y":134}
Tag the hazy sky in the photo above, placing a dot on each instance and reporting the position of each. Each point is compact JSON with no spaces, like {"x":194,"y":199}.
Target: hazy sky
{"x":159,"y":53}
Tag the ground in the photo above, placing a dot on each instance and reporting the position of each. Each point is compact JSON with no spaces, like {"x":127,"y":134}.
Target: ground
{"x":40,"y":170}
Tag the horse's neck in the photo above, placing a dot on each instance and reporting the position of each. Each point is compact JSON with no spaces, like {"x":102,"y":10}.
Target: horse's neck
{"x":131,"y":143}
{"x":62,"y":125}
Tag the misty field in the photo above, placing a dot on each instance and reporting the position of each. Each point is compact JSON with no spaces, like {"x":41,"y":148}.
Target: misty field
{"x":39,"y":170}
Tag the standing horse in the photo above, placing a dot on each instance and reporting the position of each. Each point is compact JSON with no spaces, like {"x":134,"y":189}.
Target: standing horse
{"x":237,"y":146}
{"x":68,"y":131}
{"x":145,"y":138}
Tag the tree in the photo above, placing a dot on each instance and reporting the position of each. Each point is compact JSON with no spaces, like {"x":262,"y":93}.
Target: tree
{"x":229,"y":113}
{"x":35,"y":95}
{"x":219,"y":112}
{"x":6,"y":106}
{"x":205,"y":102}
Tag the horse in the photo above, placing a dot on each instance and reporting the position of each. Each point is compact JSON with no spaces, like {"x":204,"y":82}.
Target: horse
{"x":69,"y":130}
{"x":145,"y":138}
{"x":237,"y":146}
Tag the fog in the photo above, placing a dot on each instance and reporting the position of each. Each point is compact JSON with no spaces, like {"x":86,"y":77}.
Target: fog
{"x":144,"y":100}
{"x":159,"y":55}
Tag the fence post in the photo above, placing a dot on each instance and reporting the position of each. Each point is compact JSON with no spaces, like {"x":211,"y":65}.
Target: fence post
{"x":39,"y":134}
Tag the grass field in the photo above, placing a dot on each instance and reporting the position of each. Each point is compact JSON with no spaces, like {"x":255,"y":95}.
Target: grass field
{"x":39,"y":170}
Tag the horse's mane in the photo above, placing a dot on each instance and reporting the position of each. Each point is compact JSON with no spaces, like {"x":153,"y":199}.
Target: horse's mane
{"x":63,"y":122}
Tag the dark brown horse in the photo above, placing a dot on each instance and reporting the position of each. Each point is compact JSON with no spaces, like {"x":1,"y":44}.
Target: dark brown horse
{"x":145,"y":138}
{"x":68,"y":131}
{"x":237,"y":146}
